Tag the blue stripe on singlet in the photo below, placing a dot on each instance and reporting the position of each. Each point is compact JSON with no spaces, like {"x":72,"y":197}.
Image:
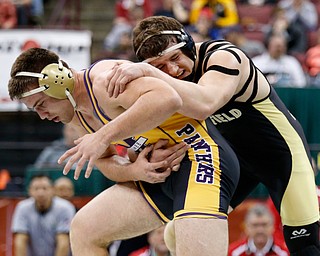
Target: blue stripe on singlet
{"x":84,"y":123}
{"x":88,"y":83}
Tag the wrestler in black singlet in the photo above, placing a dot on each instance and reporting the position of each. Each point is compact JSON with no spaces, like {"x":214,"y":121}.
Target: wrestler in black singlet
{"x":269,"y":142}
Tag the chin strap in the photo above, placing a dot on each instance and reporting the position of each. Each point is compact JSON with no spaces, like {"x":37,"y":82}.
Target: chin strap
{"x":71,"y":99}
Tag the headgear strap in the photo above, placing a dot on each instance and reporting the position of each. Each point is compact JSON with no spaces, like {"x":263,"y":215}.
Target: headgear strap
{"x":55,"y":80}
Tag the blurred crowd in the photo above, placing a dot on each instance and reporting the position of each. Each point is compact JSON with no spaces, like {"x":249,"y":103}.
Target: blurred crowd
{"x":21,"y":13}
{"x":283,"y":36}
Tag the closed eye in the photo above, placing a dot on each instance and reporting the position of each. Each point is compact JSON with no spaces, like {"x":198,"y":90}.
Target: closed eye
{"x":174,"y":57}
{"x":39,"y":106}
{"x":160,"y":67}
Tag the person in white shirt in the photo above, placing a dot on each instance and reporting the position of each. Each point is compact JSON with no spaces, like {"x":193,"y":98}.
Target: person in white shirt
{"x":280,"y":68}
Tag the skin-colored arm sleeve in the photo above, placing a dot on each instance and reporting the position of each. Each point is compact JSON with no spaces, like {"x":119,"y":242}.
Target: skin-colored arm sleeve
{"x":20,"y":244}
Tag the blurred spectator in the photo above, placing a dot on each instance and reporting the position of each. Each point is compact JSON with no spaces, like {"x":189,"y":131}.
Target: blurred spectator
{"x":174,"y":9}
{"x":278,"y":227}
{"x":294,"y":32}
{"x":125,"y":9}
{"x":8,"y":14}
{"x":48,"y":158}
{"x":301,"y":12}
{"x":128,"y":13}
{"x":156,"y":247}
{"x":64,"y":188}
{"x":258,"y":2}
{"x":30,"y":12}
{"x":312,"y":63}
{"x":259,"y":240}
{"x":41,"y":223}
{"x":280,"y":68}
{"x":197,"y":37}
{"x":203,"y":27}
{"x":4,"y":178}
{"x":225,"y":14}
{"x":36,"y":13}
{"x":125,"y":247}
{"x":236,"y":36}
{"x":23,"y":11}
{"x":113,"y":38}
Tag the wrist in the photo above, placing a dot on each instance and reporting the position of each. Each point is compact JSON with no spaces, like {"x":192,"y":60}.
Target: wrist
{"x":148,"y":70}
{"x":131,"y":171}
{"x":105,"y":136}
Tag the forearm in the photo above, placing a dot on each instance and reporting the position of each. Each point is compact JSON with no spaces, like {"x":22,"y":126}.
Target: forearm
{"x":20,"y":245}
{"x":116,"y":168}
{"x":20,"y":250}
{"x":62,"y":250}
{"x":192,"y":95}
{"x":62,"y":247}
{"x":181,"y":13}
{"x":122,"y":170}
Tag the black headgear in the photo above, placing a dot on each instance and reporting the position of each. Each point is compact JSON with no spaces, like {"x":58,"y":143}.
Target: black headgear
{"x":183,"y":38}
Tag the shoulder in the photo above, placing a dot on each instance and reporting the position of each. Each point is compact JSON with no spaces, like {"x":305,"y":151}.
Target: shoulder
{"x":280,"y":251}
{"x":260,"y":58}
{"x":221,"y":51}
{"x":62,"y":203}
{"x":26,"y":203}
{"x":239,"y":246}
{"x":280,"y":248}
{"x":25,"y":207}
{"x":291,"y":59}
{"x":105,"y":65}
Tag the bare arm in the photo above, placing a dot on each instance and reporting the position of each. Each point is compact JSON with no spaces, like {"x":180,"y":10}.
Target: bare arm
{"x":136,"y":111}
{"x":200,"y":100}
{"x":62,"y":247}
{"x":145,"y":108}
{"x":21,"y":244}
{"x":120,"y":169}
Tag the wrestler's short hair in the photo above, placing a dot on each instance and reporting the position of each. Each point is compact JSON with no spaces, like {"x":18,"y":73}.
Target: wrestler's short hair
{"x":33,"y":60}
{"x":153,"y":35}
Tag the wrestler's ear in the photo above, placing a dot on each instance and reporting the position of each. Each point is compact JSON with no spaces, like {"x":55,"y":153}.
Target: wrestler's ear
{"x":54,"y":80}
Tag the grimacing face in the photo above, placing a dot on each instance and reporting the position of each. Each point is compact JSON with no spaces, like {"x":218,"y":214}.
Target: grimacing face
{"x":175,"y":64}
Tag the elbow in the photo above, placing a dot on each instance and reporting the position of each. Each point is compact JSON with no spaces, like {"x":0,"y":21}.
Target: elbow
{"x":176,"y":102}
{"x":204,"y":111}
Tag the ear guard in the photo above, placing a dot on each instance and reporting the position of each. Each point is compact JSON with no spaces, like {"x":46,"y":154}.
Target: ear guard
{"x":55,"y":80}
{"x":185,"y":42}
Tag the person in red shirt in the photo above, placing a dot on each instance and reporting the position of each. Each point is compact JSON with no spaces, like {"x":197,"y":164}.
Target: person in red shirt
{"x":8,"y":14}
{"x":156,"y":247}
{"x":259,"y":240}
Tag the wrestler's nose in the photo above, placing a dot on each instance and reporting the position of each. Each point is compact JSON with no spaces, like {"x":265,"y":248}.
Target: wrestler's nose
{"x":42,"y":114}
{"x":172,"y":69}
